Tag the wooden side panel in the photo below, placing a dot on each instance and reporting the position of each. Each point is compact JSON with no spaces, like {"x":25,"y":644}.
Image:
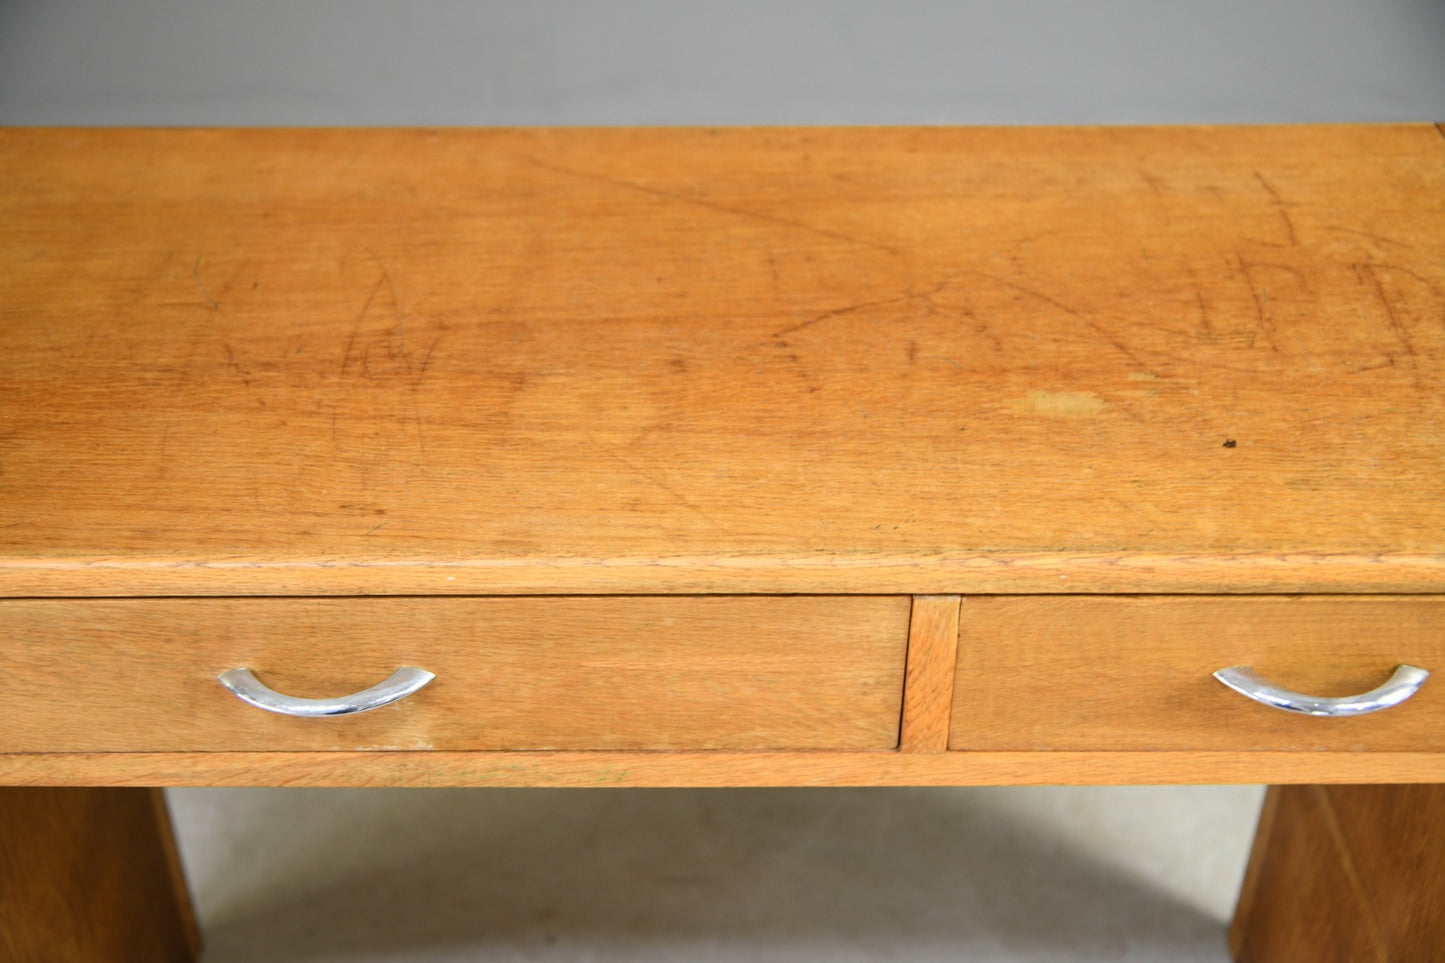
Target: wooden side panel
{"x":1098,"y":673}
{"x":1249,"y":887}
{"x":1348,"y":874}
{"x":90,"y":876}
{"x":1395,"y":836}
{"x":928,"y":686}
{"x":518,"y":673}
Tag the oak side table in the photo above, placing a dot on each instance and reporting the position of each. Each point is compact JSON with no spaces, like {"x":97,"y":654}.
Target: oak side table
{"x":699,"y":457}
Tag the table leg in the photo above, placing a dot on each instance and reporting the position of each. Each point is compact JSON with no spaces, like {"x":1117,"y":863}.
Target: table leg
{"x":1346,"y":873}
{"x":91,"y":875}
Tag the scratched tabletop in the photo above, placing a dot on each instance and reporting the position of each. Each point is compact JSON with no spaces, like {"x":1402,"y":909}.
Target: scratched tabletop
{"x":766,"y":360}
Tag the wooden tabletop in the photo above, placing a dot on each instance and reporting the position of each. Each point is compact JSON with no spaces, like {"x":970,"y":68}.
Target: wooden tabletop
{"x":759,"y":360}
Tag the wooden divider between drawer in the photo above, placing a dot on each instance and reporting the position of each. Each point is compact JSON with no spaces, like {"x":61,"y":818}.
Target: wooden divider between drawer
{"x":928,"y":684}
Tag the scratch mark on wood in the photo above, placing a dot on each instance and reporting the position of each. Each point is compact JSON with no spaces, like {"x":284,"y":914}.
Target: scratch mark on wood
{"x":400,"y":319}
{"x":1088,"y":322}
{"x":235,"y":365}
{"x":1294,"y":272}
{"x":1432,"y":283}
{"x":1370,"y":235}
{"x":713,"y":205}
{"x":1263,"y":324}
{"x":1397,"y":327}
{"x":838,"y":312}
{"x":201,"y":285}
{"x":926,"y":298}
{"x":1280,"y":207}
{"x":426,"y":362}
{"x":1205,"y":324}
{"x":420,"y":434}
{"x":360,"y":317}
{"x":649,"y":477}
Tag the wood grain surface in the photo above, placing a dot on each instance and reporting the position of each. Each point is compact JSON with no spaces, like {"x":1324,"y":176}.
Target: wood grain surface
{"x":768,"y":360}
{"x":1100,"y":673}
{"x":680,"y":768}
{"x":717,"y":672}
{"x":1347,"y":874}
{"x":928,"y":682}
{"x":91,"y":876}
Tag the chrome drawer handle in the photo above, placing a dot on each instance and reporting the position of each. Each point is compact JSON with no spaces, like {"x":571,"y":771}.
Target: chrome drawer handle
{"x":400,"y":684}
{"x":1402,"y":685}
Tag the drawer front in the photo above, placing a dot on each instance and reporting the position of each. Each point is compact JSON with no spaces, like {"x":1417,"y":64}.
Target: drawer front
{"x":707,"y":672}
{"x":1135,"y":673}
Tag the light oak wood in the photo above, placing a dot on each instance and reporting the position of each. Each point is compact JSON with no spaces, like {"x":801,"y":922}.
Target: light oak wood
{"x":441,"y":364}
{"x":1102,"y":673}
{"x":1395,"y":836}
{"x":186,"y":918}
{"x":1304,"y":898}
{"x":928,"y":683}
{"x":1249,"y":886}
{"x":806,"y":360}
{"x":512,"y":673}
{"x":90,"y":876}
{"x":679,"y":768}
{"x":1347,"y":873}
{"x":950,"y":572}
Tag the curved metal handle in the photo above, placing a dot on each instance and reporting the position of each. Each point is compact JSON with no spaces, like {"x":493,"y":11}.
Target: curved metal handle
{"x":400,"y":684}
{"x":1402,"y":685}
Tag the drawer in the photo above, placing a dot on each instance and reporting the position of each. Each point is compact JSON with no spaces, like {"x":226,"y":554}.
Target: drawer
{"x":705,"y":672}
{"x":1135,"y":673}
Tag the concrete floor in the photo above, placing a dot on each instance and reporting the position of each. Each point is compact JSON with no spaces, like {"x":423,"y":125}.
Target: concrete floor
{"x":991,"y":875}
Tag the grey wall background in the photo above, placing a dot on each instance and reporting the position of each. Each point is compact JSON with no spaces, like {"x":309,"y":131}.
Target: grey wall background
{"x":749,"y":61}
